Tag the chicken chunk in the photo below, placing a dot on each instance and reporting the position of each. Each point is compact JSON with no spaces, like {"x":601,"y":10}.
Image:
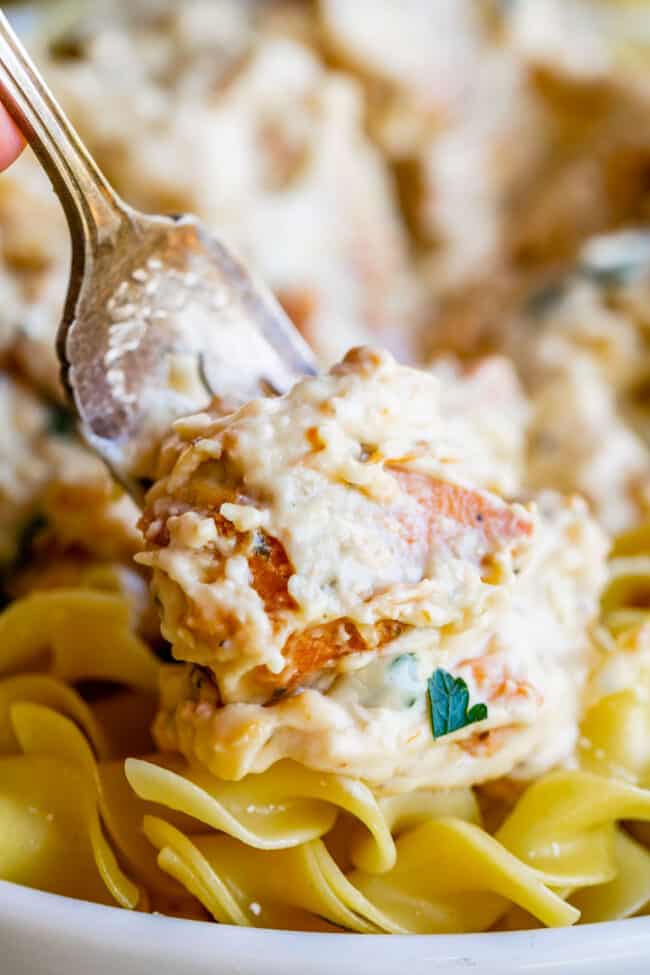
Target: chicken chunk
{"x":306,"y":528}
{"x":318,"y":556}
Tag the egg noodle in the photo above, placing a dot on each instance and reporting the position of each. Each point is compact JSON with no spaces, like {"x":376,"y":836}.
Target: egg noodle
{"x":85,"y":814}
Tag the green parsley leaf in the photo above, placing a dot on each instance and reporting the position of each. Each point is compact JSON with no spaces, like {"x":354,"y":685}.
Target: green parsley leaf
{"x":448,"y":701}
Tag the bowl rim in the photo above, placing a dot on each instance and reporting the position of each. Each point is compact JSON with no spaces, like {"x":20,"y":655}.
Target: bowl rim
{"x":28,"y":913}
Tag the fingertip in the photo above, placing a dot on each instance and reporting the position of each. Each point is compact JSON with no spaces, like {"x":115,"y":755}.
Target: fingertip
{"x":11,"y":140}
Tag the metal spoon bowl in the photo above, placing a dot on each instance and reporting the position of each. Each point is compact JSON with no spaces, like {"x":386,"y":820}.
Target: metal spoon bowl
{"x":160,"y":316}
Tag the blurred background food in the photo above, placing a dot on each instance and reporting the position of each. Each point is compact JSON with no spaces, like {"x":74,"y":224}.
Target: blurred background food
{"x":459,"y":176}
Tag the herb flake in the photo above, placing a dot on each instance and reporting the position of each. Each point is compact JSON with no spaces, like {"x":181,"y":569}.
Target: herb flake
{"x":613,"y":260}
{"x":61,"y":421}
{"x":261,"y":545}
{"x":403,"y":675}
{"x":544,"y":300}
{"x":29,"y":533}
{"x":448,"y":702}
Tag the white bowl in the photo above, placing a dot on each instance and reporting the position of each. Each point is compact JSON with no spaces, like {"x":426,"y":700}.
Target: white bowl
{"x":42,"y":934}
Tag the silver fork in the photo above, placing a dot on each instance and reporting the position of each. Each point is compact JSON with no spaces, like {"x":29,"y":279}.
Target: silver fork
{"x":160,"y":315}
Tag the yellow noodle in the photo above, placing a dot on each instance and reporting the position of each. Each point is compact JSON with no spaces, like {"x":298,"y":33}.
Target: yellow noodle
{"x":563,"y":826}
{"x":622,"y":620}
{"x":453,"y":876}
{"x":123,"y":814}
{"x":636,"y":541}
{"x":629,"y":890}
{"x":44,"y":836}
{"x":291,"y":847}
{"x":43,"y":733}
{"x":628,"y":586}
{"x":81,"y":633}
{"x":285,"y":806}
{"x":449,"y":875}
{"x":303,"y":877}
{"x":53,"y":693}
{"x":615,"y":737}
{"x":407,"y":810}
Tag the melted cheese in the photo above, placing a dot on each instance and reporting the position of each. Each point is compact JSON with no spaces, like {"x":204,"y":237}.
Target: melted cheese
{"x":334,"y":472}
{"x":316,"y":472}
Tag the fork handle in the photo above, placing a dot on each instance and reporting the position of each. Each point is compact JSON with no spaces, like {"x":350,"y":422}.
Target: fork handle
{"x":92,"y":207}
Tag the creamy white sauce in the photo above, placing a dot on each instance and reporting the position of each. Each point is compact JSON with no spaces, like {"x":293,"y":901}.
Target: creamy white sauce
{"x":314,"y":468}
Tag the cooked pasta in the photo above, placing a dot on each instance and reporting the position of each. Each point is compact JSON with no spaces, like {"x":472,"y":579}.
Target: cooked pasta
{"x":375,"y":656}
{"x":300,"y":847}
{"x":290,"y":846}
